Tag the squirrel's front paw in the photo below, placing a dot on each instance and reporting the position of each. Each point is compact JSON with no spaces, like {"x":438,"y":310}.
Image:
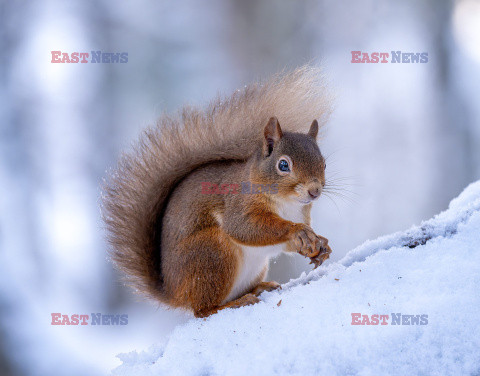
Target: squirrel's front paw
{"x":311,"y":245}
{"x":306,"y":242}
{"x":324,"y":254}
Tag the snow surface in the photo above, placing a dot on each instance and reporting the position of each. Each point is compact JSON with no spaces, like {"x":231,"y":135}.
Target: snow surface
{"x":432,"y":269}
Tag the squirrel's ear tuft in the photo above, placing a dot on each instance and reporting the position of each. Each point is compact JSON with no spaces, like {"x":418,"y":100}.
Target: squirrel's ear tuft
{"x":313,"y":129}
{"x":273,"y":134}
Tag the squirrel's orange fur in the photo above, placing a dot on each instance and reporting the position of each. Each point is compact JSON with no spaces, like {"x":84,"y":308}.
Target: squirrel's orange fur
{"x":208,"y":252}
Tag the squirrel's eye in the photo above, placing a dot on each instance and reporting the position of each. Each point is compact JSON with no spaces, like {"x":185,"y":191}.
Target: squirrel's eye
{"x":283,"y":165}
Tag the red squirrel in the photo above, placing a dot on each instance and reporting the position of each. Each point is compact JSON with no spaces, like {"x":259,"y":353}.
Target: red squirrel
{"x":207,"y":252}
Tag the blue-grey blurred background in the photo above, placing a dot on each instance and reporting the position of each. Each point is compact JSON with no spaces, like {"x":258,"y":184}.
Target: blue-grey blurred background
{"x":403,"y":140}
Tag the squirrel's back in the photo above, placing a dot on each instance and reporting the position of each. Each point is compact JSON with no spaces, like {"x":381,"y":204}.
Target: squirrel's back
{"x":230,"y":128}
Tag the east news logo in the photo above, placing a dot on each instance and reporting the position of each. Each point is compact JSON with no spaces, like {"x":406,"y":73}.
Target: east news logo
{"x":392,"y":57}
{"x":93,"y":319}
{"x":93,"y":57}
{"x":396,"y":319}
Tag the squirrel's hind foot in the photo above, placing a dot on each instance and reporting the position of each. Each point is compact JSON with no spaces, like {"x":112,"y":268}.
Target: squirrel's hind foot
{"x":245,"y":300}
{"x":265,"y":286}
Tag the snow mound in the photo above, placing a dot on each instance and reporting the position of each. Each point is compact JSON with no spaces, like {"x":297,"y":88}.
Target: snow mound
{"x":431,"y":271}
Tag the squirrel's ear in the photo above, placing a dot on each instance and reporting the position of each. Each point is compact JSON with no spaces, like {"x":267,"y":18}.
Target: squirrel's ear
{"x":273,"y":133}
{"x":313,"y":129}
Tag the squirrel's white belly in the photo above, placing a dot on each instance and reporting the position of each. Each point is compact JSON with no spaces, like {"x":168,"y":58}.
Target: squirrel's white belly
{"x":254,"y":262}
{"x":255,"y":259}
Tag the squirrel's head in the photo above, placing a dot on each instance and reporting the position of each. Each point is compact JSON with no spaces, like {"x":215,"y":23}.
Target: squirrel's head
{"x":293,"y":162}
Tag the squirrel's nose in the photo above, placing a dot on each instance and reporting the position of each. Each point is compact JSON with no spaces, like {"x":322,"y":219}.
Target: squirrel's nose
{"x":314,"y":193}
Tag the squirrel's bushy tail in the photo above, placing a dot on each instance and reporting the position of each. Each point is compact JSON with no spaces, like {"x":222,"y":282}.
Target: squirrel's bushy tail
{"x":230,"y":128}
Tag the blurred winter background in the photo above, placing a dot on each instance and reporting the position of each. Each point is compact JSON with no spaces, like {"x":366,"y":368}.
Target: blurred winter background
{"x":404,"y":138}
